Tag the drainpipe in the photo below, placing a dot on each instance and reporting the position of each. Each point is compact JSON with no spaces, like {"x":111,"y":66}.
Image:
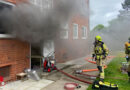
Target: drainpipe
{"x":30,"y":56}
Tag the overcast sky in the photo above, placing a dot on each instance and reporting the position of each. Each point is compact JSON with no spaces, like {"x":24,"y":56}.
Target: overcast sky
{"x":103,"y":11}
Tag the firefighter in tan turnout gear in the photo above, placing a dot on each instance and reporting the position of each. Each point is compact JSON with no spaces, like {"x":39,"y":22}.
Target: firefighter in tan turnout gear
{"x":127,"y":52}
{"x":100,"y":53}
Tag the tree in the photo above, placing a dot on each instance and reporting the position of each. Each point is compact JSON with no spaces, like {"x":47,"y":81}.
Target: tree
{"x":126,"y":4}
{"x":98,"y":27}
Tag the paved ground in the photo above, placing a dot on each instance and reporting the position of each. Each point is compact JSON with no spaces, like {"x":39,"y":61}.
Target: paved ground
{"x":55,"y":80}
{"x":27,"y":85}
{"x":61,"y":79}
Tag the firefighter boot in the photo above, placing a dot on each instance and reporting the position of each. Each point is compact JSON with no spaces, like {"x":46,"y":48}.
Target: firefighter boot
{"x":101,"y":73}
{"x":102,"y":76}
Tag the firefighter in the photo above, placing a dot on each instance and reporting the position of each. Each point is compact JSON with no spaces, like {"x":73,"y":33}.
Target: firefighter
{"x":127,"y":52}
{"x":100,"y":53}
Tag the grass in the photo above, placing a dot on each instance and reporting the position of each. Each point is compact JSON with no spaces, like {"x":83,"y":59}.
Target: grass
{"x":113,"y":72}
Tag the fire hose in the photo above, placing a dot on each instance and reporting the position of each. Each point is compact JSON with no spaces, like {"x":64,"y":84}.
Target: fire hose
{"x":76,"y":78}
{"x":90,"y":70}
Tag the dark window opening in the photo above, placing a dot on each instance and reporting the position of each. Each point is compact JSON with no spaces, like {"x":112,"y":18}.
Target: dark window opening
{"x":3,"y":7}
{"x":5,"y":71}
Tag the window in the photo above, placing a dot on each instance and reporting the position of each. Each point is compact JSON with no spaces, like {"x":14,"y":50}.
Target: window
{"x":75,"y":31}
{"x":35,"y":2}
{"x":40,"y":3}
{"x":84,"y":32}
{"x":66,"y":26}
{"x":64,"y":34}
{"x":46,"y":4}
{"x":5,"y":71}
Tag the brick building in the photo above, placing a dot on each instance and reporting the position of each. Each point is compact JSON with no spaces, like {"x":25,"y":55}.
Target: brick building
{"x":14,"y":54}
{"x":73,"y":41}
{"x":71,"y":44}
{"x":14,"y":57}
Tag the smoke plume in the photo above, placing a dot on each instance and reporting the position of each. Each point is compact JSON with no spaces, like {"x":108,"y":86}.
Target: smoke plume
{"x":116,"y":34}
{"x":30,"y":23}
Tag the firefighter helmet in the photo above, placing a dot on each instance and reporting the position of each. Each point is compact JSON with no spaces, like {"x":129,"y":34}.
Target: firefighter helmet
{"x":98,"y":38}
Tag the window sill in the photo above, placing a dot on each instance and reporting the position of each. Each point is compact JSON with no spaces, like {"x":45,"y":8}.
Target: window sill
{"x":84,"y":38}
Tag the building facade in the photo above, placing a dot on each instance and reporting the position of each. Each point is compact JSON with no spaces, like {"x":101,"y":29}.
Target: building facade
{"x":72,"y":41}
{"x":14,"y":53}
{"x":70,"y":44}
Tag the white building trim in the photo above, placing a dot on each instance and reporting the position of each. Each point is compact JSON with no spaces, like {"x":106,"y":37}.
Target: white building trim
{"x":6,"y":36}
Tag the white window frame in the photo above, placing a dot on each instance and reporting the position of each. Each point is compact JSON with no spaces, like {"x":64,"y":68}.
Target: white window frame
{"x":66,"y":34}
{"x":41,"y":4}
{"x":77,"y":31}
{"x":35,"y":2}
{"x":66,"y":26}
{"x":84,"y":32}
{"x":47,"y":4}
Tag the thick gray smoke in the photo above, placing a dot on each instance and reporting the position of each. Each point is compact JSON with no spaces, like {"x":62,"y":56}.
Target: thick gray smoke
{"x":116,"y":34}
{"x":29,"y":23}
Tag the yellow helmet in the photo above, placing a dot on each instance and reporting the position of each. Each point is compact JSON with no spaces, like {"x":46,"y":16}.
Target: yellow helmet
{"x":98,"y":38}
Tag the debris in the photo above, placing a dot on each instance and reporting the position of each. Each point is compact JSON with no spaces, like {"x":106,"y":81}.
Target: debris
{"x":32,"y":74}
{"x":21,"y":76}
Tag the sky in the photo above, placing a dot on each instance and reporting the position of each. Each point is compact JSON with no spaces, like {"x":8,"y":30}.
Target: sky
{"x":102,"y":11}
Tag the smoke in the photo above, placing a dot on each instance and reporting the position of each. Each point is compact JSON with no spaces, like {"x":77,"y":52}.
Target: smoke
{"x":27,"y":22}
{"x":116,"y":34}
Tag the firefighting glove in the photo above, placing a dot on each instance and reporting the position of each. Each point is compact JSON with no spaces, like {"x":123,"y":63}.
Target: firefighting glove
{"x":93,"y":55}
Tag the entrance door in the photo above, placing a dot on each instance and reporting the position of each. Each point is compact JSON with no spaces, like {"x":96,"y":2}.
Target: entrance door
{"x":48,"y":48}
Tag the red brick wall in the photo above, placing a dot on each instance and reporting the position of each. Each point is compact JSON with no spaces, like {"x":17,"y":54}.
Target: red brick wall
{"x":14,"y":53}
{"x":68,"y":49}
